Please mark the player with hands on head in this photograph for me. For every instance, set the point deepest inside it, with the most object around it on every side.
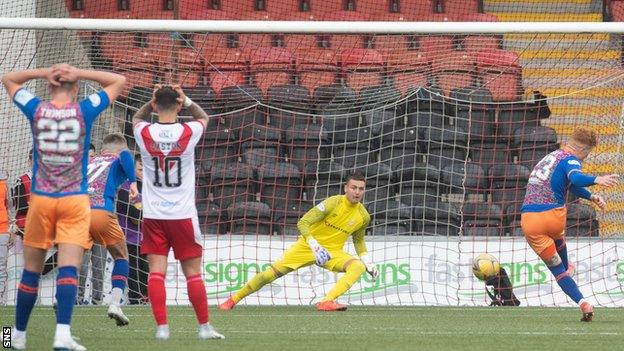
(544, 209)
(170, 218)
(324, 230)
(59, 211)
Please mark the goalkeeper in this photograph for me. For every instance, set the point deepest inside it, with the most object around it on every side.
(324, 230)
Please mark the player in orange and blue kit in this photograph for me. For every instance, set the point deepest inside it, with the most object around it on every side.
(107, 171)
(59, 210)
(543, 218)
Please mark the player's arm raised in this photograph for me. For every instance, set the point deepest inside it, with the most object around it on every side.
(14, 81)
(112, 83)
(362, 251)
(196, 111)
(146, 110)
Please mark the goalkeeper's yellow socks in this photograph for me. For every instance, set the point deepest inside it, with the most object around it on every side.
(256, 283)
(352, 274)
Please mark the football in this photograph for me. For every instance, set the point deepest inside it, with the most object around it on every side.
(485, 266)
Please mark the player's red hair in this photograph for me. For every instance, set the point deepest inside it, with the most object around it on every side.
(585, 136)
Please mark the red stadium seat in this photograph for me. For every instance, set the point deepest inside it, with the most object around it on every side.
(479, 17)
(345, 41)
(617, 11)
(140, 77)
(318, 7)
(500, 72)
(409, 70)
(435, 45)
(301, 42)
(417, 7)
(373, 7)
(149, 9)
(192, 13)
(271, 66)
(454, 70)
(234, 8)
(362, 68)
(460, 7)
(316, 68)
(438, 17)
(475, 43)
(250, 42)
(98, 9)
(225, 68)
(387, 44)
(126, 50)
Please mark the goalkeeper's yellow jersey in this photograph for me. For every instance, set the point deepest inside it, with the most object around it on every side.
(333, 221)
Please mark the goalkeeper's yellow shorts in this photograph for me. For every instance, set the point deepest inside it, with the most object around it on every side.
(300, 255)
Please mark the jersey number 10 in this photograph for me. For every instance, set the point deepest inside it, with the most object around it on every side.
(170, 162)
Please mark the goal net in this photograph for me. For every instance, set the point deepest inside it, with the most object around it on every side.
(445, 125)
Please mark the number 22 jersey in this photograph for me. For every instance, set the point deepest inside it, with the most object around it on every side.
(61, 138)
(168, 157)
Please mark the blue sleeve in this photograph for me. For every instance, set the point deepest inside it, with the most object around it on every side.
(93, 105)
(581, 192)
(573, 171)
(27, 102)
(127, 163)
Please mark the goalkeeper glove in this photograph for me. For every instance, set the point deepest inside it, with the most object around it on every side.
(321, 255)
(370, 267)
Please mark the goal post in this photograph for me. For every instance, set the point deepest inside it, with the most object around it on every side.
(445, 119)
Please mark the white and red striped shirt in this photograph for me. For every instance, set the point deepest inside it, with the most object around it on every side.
(168, 157)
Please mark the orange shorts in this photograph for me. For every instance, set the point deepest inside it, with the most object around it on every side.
(541, 229)
(53, 220)
(105, 228)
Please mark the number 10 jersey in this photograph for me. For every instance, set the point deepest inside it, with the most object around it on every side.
(168, 157)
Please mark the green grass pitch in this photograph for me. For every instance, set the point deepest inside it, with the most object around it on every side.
(359, 328)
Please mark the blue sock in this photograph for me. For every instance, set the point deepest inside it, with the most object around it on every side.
(66, 291)
(120, 274)
(26, 298)
(562, 250)
(567, 284)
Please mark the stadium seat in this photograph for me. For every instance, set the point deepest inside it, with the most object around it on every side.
(514, 116)
(333, 104)
(427, 99)
(499, 71)
(390, 217)
(362, 68)
(468, 178)
(204, 96)
(391, 46)
(354, 147)
(260, 144)
(340, 42)
(232, 182)
(193, 10)
(581, 221)
(460, 7)
(136, 78)
(438, 17)
(473, 111)
(270, 67)
(476, 43)
(316, 68)
(306, 144)
(210, 218)
(617, 11)
(417, 7)
(488, 153)
(408, 69)
(435, 46)
(234, 8)
(482, 219)
(322, 6)
(239, 105)
(127, 51)
(380, 107)
(280, 185)
(534, 143)
(399, 148)
(437, 218)
(508, 183)
(379, 181)
(285, 222)
(250, 218)
(219, 144)
(150, 9)
(444, 146)
(418, 185)
(454, 70)
(323, 180)
(511, 222)
(289, 105)
(225, 67)
(98, 9)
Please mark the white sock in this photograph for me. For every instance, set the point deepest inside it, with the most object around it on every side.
(163, 327)
(116, 296)
(62, 331)
(581, 301)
